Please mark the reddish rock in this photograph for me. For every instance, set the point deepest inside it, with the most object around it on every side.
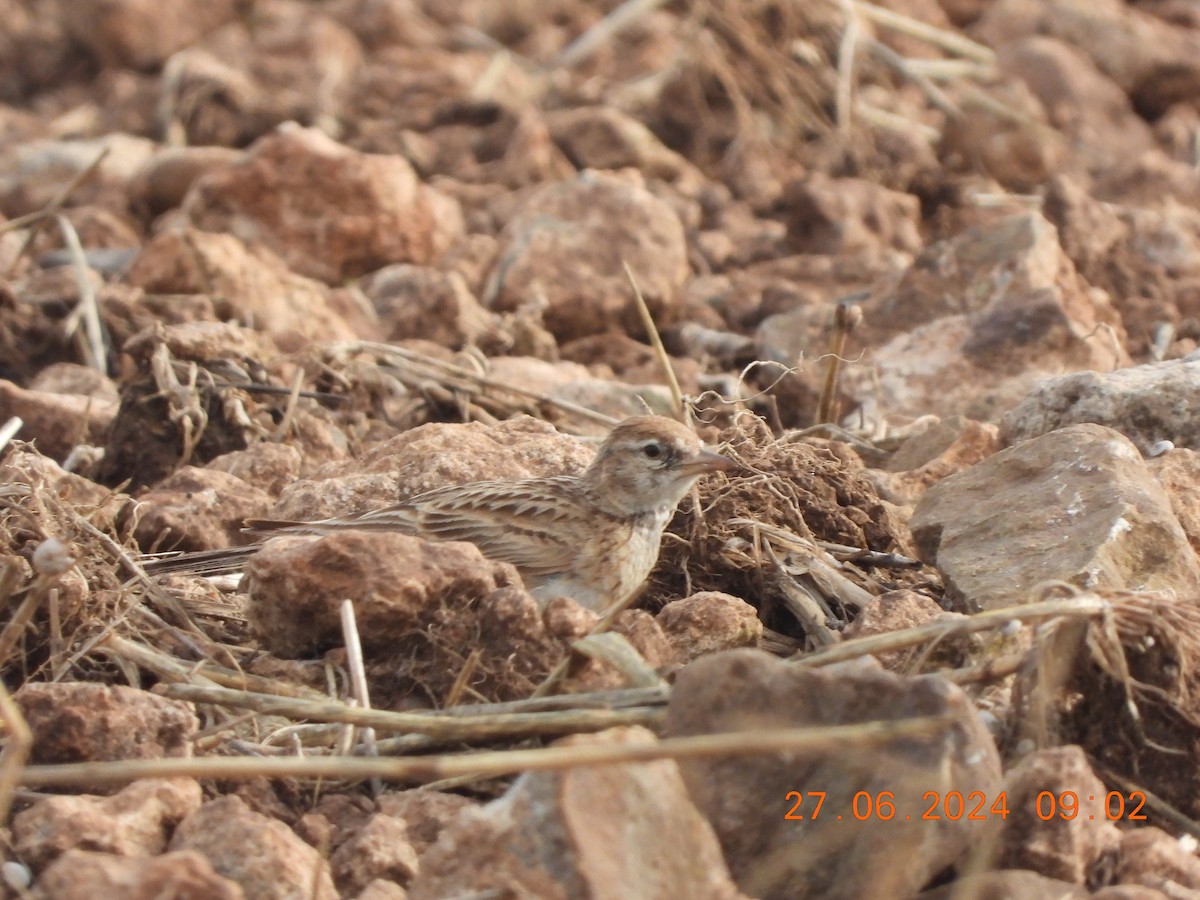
(1009, 140)
(1077, 504)
(417, 302)
(282, 192)
(136, 821)
(382, 890)
(249, 286)
(108, 239)
(593, 831)
(947, 447)
(895, 611)
(517, 151)
(1036, 836)
(707, 622)
(1004, 884)
(849, 216)
(72, 378)
(647, 641)
(601, 137)
(1178, 471)
(1153, 859)
(198, 509)
(266, 465)
(1155, 64)
(141, 34)
(429, 457)
(567, 621)
(82, 875)
(32, 173)
(82, 722)
(297, 585)
(567, 243)
(427, 813)
(746, 798)
(260, 854)
(289, 62)
(56, 423)
(165, 178)
(981, 318)
(1080, 101)
(378, 850)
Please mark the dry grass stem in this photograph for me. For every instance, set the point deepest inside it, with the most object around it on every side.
(92, 344)
(358, 683)
(838, 739)
(660, 352)
(417, 372)
(616, 650)
(882, 118)
(847, 51)
(205, 673)
(846, 317)
(38, 220)
(9, 430)
(1161, 807)
(604, 31)
(949, 41)
(437, 724)
(1086, 606)
(16, 750)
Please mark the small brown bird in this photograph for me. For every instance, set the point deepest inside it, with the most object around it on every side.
(592, 537)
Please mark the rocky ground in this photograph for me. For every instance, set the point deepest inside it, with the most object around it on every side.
(930, 269)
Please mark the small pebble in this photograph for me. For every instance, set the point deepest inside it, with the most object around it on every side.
(17, 875)
(1159, 449)
(52, 557)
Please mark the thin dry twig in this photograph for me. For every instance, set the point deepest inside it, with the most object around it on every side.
(16, 750)
(436, 723)
(660, 351)
(1086, 606)
(847, 51)
(358, 680)
(9, 430)
(604, 31)
(950, 41)
(807, 740)
(417, 371)
(206, 672)
(38, 221)
(93, 345)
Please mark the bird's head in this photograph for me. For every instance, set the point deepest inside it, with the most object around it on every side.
(649, 463)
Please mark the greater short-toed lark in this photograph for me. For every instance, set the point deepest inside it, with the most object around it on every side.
(592, 537)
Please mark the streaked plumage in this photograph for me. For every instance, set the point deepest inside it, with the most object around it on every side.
(592, 537)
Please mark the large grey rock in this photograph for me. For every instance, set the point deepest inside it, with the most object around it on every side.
(1078, 504)
(1148, 404)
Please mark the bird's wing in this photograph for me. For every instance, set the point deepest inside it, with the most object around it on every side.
(534, 525)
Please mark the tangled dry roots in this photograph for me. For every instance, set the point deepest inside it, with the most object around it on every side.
(56, 611)
(1125, 690)
(791, 486)
(752, 63)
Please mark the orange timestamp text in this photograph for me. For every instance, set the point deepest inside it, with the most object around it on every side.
(974, 806)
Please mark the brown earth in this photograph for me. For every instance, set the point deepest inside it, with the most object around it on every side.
(929, 270)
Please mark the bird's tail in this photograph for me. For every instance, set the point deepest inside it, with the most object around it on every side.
(202, 562)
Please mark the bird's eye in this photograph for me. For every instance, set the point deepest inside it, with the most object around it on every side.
(653, 451)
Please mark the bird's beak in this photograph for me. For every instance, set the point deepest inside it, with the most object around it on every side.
(706, 461)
